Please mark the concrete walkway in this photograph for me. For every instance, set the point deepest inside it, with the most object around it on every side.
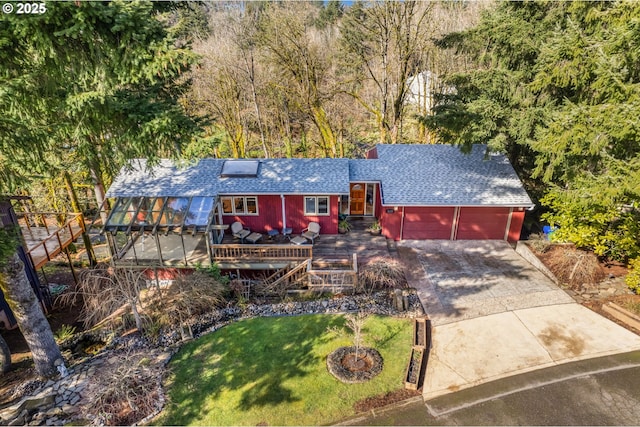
(494, 315)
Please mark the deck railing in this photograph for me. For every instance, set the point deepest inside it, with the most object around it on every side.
(58, 238)
(257, 253)
(334, 280)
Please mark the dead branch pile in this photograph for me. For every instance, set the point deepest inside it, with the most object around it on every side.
(124, 392)
(573, 266)
(381, 273)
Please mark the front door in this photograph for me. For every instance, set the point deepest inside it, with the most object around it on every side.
(357, 197)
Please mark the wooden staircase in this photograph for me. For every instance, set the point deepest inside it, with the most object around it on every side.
(334, 275)
(284, 279)
(320, 275)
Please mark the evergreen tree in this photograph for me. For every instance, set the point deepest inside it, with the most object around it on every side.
(556, 87)
(99, 82)
(95, 83)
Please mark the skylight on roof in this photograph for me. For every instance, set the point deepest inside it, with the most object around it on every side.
(240, 168)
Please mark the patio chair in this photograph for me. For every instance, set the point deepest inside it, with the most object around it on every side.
(238, 231)
(311, 232)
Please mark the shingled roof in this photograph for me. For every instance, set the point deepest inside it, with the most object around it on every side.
(441, 175)
(410, 175)
(275, 176)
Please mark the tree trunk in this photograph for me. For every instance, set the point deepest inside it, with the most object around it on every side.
(98, 188)
(327, 136)
(75, 205)
(31, 320)
(250, 65)
(136, 315)
(5, 356)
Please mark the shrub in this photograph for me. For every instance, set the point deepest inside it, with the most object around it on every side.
(539, 243)
(381, 273)
(633, 278)
(188, 296)
(64, 333)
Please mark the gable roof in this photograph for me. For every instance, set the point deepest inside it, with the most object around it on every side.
(441, 175)
(275, 176)
(410, 175)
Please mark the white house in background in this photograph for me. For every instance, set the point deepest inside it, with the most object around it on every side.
(422, 89)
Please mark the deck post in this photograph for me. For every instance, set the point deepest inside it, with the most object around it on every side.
(73, 270)
(159, 250)
(184, 251)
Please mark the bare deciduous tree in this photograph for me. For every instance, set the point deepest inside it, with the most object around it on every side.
(384, 43)
(189, 295)
(302, 65)
(105, 290)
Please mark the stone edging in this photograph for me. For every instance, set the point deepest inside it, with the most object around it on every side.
(525, 252)
(57, 402)
(335, 368)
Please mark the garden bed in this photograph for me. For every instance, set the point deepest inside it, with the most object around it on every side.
(594, 282)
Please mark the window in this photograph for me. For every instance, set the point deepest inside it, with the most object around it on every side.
(316, 205)
(174, 211)
(240, 168)
(239, 205)
(199, 211)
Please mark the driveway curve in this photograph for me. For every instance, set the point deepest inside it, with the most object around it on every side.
(495, 315)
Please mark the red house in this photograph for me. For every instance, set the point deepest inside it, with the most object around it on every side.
(415, 191)
(438, 192)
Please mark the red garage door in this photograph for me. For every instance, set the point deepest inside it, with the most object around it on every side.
(482, 223)
(427, 223)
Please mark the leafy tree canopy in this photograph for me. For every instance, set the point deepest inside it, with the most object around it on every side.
(556, 86)
(91, 82)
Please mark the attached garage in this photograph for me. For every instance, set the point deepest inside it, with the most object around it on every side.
(479, 223)
(427, 223)
(439, 192)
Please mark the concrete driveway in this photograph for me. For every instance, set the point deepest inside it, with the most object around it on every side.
(494, 315)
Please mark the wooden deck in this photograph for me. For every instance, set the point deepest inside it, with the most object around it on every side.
(44, 238)
(331, 246)
(267, 253)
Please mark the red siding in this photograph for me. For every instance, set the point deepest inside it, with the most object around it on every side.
(517, 219)
(390, 222)
(166, 273)
(427, 222)
(269, 215)
(296, 219)
(482, 223)
(372, 154)
(378, 201)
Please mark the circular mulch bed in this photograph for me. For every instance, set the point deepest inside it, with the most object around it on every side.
(345, 366)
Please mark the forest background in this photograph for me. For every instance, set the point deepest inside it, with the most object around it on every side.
(554, 85)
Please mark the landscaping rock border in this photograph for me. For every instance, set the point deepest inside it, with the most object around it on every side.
(336, 368)
(59, 401)
(377, 303)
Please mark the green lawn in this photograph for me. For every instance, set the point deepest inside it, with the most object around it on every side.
(273, 371)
